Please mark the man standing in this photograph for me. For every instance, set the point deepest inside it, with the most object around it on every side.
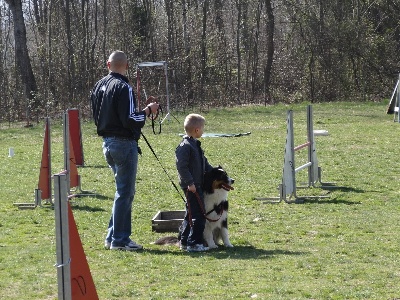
(118, 122)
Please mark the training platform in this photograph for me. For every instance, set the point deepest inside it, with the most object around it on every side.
(167, 221)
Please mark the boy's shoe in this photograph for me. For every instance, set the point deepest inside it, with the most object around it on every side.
(131, 246)
(107, 244)
(182, 246)
(197, 248)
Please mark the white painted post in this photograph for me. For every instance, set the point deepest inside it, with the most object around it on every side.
(397, 106)
(288, 176)
(312, 151)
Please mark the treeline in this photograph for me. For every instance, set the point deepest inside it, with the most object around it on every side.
(219, 52)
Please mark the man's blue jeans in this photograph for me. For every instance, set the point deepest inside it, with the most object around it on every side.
(122, 157)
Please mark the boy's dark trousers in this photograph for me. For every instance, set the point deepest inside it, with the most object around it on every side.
(191, 235)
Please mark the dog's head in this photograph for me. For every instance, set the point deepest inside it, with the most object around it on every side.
(217, 178)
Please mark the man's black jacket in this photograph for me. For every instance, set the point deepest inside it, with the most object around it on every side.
(114, 108)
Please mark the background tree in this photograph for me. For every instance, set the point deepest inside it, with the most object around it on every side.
(23, 71)
(218, 52)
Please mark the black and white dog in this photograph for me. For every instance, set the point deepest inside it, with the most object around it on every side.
(217, 184)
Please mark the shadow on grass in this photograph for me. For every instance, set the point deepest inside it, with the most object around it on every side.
(332, 188)
(237, 252)
(90, 194)
(76, 206)
(250, 252)
(96, 167)
(332, 201)
(326, 199)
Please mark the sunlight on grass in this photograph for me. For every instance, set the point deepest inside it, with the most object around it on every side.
(342, 247)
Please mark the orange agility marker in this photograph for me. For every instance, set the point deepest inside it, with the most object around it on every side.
(43, 191)
(82, 285)
(73, 170)
(44, 184)
(76, 135)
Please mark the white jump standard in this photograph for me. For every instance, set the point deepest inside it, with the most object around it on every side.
(287, 189)
(394, 104)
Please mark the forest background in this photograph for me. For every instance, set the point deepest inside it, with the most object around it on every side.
(219, 53)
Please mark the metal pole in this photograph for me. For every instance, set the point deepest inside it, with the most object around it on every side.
(67, 166)
(49, 159)
(288, 176)
(62, 237)
(398, 100)
(310, 138)
(166, 87)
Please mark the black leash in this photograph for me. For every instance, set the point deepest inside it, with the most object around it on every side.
(218, 209)
(205, 214)
(165, 171)
(153, 117)
(203, 211)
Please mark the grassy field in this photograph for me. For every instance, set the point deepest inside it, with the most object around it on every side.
(343, 247)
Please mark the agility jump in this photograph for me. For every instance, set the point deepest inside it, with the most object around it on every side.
(73, 157)
(43, 190)
(73, 152)
(394, 104)
(287, 189)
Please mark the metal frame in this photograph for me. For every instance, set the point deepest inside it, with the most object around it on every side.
(396, 94)
(162, 64)
(62, 237)
(67, 161)
(394, 103)
(287, 189)
(38, 192)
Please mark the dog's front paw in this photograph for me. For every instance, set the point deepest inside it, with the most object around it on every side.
(214, 246)
(229, 245)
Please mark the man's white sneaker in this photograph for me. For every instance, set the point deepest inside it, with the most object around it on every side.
(197, 248)
(131, 246)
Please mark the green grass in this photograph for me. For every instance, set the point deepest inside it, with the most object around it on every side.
(342, 247)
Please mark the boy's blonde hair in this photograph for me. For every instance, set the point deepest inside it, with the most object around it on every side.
(193, 121)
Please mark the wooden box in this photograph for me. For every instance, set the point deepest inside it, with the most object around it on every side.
(167, 221)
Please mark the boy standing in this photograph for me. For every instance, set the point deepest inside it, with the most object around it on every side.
(191, 165)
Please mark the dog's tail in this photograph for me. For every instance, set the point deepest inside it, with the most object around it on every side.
(167, 240)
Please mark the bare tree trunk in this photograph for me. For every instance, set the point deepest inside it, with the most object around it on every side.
(151, 46)
(238, 52)
(42, 15)
(204, 53)
(270, 49)
(186, 42)
(70, 55)
(255, 56)
(169, 7)
(105, 30)
(22, 60)
(83, 81)
(94, 43)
